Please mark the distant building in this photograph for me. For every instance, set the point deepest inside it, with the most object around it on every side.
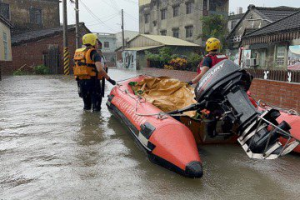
(256, 18)
(277, 45)
(5, 42)
(108, 48)
(133, 56)
(42, 47)
(233, 20)
(30, 15)
(128, 35)
(180, 19)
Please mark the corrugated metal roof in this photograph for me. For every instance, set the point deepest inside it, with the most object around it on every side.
(170, 41)
(142, 48)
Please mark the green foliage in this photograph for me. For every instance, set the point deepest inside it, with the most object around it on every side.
(19, 73)
(164, 55)
(214, 26)
(194, 58)
(41, 69)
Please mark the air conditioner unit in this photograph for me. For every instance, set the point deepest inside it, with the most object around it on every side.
(251, 62)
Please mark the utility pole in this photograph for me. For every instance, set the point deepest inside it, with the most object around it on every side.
(65, 36)
(122, 27)
(77, 23)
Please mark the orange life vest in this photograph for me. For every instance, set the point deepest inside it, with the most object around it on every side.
(85, 67)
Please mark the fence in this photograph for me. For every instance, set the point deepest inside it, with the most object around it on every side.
(276, 75)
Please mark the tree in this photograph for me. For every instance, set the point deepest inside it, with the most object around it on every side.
(214, 26)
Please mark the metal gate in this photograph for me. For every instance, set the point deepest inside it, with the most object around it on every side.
(51, 59)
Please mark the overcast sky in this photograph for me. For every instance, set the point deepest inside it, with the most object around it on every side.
(105, 15)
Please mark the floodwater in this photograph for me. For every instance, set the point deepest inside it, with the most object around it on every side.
(51, 149)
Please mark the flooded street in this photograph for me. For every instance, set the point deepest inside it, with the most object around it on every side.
(51, 149)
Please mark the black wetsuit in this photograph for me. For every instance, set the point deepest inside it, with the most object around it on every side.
(90, 89)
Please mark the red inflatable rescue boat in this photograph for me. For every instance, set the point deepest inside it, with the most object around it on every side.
(166, 141)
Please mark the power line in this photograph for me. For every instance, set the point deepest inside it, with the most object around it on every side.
(133, 2)
(96, 17)
(103, 20)
(131, 16)
(115, 4)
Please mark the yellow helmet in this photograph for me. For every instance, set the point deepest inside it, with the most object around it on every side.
(89, 38)
(213, 44)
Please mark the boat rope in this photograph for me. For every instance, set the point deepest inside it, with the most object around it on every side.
(139, 100)
(132, 77)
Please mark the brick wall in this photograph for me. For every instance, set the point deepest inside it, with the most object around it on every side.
(280, 94)
(277, 93)
(31, 53)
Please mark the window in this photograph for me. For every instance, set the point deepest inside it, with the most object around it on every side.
(176, 11)
(176, 32)
(164, 32)
(280, 55)
(189, 31)
(4, 10)
(212, 5)
(204, 4)
(163, 14)
(189, 7)
(36, 16)
(147, 18)
(106, 44)
(5, 44)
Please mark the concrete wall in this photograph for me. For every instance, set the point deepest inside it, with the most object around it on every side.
(5, 30)
(20, 14)
(180, 22)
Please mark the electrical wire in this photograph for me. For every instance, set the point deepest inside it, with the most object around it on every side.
(131, 16)
(103, 21)
(95, 16)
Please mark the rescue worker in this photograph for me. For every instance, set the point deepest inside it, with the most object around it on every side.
(213, 57)
(88, 71)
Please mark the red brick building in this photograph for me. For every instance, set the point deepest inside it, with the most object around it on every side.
(29, 15)
(43, 47)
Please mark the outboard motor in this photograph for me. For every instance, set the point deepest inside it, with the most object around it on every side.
(223, 88)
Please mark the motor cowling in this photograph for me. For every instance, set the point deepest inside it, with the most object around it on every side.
(223, 88)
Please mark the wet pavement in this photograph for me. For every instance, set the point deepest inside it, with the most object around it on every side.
(51, 149)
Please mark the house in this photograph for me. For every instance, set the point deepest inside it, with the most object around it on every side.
(255, 18)
(5, 42)
(180, 19)
(42, 47)
(128, 35)
(29, 15)
(277, 45)
(133, 56)
(233, 20)
(108, 48)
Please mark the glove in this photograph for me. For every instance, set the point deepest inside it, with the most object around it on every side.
(113, 82)
(190, 83)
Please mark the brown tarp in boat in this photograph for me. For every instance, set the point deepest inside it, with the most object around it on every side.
(166, 93)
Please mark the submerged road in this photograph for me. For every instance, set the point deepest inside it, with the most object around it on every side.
(51, 149)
